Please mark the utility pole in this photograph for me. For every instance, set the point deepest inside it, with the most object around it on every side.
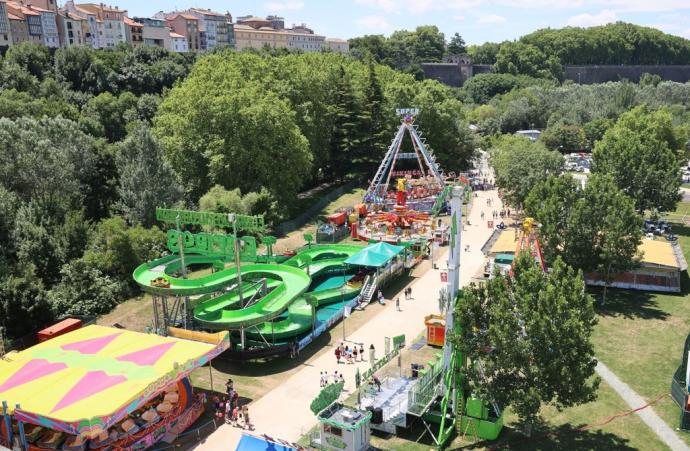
(453, 273)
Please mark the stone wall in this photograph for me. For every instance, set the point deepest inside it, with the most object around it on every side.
(587, 75)
(455, 74)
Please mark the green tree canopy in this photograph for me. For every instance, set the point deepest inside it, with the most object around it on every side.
(595, 229)
(456, 45)
(532, 335)
(520, 164)
(643, 152)
(146, 180)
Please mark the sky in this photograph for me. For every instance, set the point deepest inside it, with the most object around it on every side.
(477, 21)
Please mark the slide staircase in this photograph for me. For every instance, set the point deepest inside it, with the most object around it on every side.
(368, 290)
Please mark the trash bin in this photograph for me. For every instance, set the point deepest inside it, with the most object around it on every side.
(415, 369)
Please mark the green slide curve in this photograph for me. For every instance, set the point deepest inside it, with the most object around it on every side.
(287, 283)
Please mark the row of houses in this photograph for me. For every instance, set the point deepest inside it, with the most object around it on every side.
(193, 30)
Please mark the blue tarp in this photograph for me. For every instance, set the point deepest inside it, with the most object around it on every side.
(375, 255)
(252, 443)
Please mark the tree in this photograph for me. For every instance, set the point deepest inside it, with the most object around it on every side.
(346, 141)
(519, 58)
(73, 65)
(33, 58)
(643, 153)
(564, 138)
(520, 164)
(84, 290)
(614, 235)
(23, 304)
(595, 229)
(456, 46)
(146, 180)
(35, 244)
(532, 335)
(39, 156)
(378, 130)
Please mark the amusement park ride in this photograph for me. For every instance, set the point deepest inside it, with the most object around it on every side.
(404, 214)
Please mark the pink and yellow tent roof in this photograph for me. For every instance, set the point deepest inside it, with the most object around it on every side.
(85, 381)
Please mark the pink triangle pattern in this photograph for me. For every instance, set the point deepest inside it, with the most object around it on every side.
(92, 345)
(32, 370)
(93, 382)
(148, 356)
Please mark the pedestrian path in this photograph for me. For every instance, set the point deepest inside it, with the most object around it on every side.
(659, 426)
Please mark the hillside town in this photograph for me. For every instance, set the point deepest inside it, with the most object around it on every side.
(193, 30)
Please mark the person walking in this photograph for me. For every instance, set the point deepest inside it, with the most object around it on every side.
(409, 293)
(355, 353)
(361, 351)
(397, 304)
(377, 382)
(372, 354)
(245, 415)
(337, 354)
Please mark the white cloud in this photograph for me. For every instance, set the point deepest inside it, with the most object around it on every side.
(491, 19)
(385, 5)
(376, 23)
(459, 18)
(644, 5)
(287, 5)
(589, 20)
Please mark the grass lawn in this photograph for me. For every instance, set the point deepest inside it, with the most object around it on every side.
(640, 336)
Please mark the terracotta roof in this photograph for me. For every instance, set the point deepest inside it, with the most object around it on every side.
(95, 7)
(132, 23)
(175, 35)
(184, 16)
(13, 17)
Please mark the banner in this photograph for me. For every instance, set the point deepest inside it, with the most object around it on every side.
(348, 311)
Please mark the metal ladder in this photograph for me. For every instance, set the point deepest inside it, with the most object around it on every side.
(368, 289)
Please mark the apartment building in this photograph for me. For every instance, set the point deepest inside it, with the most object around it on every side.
(18, 28)
(51, 37)
(185, 25)
(95, 27)
(213, 28)
(336, 45)
(303, 38)
(247, 37)
(155, 32)
(72, 29)
(5, 28)
(134, 32)
(179, 43)
(34, 28)
(113, 25)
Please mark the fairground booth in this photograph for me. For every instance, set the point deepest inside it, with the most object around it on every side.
(101, 387)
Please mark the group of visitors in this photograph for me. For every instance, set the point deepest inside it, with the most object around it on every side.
(501, 214)
(326, 378)
(408, 293)
(229, 410)
(349, 355)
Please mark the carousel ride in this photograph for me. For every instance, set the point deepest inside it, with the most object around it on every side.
(405, 211)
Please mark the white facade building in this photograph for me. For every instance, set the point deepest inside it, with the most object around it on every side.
(178, 43)
(51, 37)
(337, 45)
(306, 42)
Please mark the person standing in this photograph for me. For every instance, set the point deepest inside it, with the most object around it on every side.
(361, 351)
(337, 354)
(397, 304)
(372, 354)
(409, 293)
(355, 353)
(229, 386)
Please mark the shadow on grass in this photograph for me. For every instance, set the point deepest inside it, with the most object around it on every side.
(626, 303)
(545, 437)
(556, 438)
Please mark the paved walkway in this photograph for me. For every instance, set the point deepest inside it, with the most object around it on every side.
(659, 426)
(284, 412)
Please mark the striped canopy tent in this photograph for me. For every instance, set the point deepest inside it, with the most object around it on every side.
(85, 381)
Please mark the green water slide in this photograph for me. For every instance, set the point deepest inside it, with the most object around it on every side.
(286, 283)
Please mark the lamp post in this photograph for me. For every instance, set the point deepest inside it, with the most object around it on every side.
(342, 301)
(232, 219)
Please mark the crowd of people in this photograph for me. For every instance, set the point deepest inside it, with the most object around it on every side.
(349, 354)
(228, 408)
